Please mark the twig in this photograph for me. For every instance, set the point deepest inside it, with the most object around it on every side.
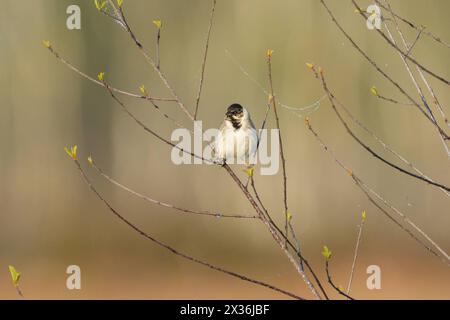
(270, 227)
(367, 191)
(384, 74)
(298, 252)
(413, 79)
(276, 236)
(158, 58)
(330, 281)
(393, 100)
(273, 232)
(309, 108)
(152, 132)
(416, 40)
(296, 241)
(414, 26)
(164, 204)
(171, 249)
(355, 256)
(152, 63)
(362, 144)
(199, 93)
(84, 75)
(407, 56)
(383, 144)
(144, 96)
(280, 140)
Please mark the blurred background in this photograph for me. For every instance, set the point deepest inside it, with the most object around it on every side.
(49, 219)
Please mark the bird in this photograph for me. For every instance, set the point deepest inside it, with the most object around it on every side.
(237, 141)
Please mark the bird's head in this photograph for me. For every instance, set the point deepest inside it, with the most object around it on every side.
(236, 113)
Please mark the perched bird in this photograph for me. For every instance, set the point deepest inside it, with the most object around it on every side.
(237, 140)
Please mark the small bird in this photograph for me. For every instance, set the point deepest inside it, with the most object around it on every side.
(237, 141)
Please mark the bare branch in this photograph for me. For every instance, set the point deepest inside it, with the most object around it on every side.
(362, 144)
(199, 93)
(171, 249)
(164, 204)
(368, 191)
(383, 144)
(84, 75)
(280, 140)
(384, 74)
(355, 256)
(330, 281)
(414, 26)
(407, 56)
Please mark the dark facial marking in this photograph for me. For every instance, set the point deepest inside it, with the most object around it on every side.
(233, 112)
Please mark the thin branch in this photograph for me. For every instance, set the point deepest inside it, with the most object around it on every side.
(152, 63)
(158, 40)
(84, 75)
(296, 241)
(413, 79)
(171, 249)
(276, 236)
(294, 109)
(152, 132)
(205, 55)
(414, 26)
(366, 147)
(270, 227)
(404, 54)
(330, 281)
(298, 252)
(164, 204)
(355, 256)
(383, 144)
(393, 100)
(368, 191)
(273, 232)
(280, 141)
(384, 74)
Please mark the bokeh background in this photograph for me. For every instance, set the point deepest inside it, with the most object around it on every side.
(49, 219)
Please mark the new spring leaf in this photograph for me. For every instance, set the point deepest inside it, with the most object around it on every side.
(326, 253)
(15, 275)
(157, 23)
(374, 91)
(100, 4)
(72, 152)
(101, 76)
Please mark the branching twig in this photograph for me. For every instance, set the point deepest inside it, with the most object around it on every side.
(84, 75)
(274, 231)
(152, 132)
(362, 144)
(383, 144)
(164, 204)
(152, 63)
(171, 249)
(330, 281)
(414, 26)
(383, 73)
(404, 54)
(413, 79)
(368, 191)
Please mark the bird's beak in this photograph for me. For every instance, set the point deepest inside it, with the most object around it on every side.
(229, 115)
